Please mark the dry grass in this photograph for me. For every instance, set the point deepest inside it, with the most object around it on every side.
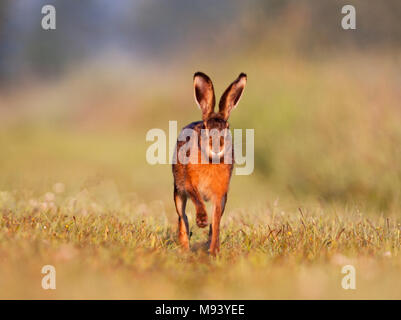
(134, 254)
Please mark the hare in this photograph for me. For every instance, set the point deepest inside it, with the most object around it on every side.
(203, 181)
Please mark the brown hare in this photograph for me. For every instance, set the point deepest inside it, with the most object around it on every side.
(199, 180)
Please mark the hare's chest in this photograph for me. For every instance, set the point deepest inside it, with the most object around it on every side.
(212, 180)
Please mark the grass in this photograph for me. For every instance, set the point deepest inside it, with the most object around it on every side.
(76, 191)
(133, 253)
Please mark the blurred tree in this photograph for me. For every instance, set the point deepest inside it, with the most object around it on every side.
(166, 29)
(4, 8)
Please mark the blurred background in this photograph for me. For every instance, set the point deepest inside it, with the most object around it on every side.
(76, 102)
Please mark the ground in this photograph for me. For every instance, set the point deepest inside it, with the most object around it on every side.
(134, 254)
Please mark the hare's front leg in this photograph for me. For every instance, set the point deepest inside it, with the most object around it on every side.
(183, 228)
(201, 214)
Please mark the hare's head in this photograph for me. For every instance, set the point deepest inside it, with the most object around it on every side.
(216, 123)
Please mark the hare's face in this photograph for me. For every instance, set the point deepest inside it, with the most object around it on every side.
(217, 133)
(215, 124)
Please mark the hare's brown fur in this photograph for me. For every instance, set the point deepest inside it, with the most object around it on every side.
(205, 181)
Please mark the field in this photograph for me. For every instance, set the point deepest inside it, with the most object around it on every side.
(78, 194)
(283, 255)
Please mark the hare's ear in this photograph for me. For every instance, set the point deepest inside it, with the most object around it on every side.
(230, 98)
(204, 94)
